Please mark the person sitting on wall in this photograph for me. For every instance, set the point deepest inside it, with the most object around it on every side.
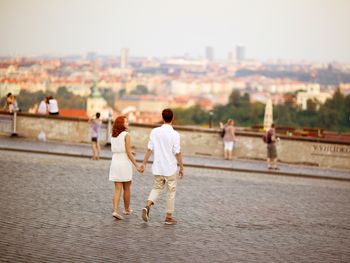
(9, 103)
(43, 107)
(52, 106)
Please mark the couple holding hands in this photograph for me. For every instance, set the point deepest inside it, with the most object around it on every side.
(164, 143)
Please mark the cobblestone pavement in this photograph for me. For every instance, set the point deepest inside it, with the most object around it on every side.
(58, 209)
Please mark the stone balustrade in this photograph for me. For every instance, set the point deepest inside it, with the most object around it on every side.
(194, 141)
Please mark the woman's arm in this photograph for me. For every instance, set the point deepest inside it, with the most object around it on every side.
(128, 150)
(233, 133)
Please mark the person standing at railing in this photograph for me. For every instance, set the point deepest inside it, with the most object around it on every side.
(229, 139)
(95, 126)
(271, 140)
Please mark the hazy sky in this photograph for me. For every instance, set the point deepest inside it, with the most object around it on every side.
(317, 30)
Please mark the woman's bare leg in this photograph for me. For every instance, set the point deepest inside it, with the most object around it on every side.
(98, 149)
(94, 150)
(230, 155)
(127, 195)
(117, 191)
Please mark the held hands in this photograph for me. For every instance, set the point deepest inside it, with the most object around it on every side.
(141, 168)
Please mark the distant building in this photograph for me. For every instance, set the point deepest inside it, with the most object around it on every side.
(312, 93)
(124, 58)
(143, 117)
(92, 56)
(240, 53)
(142, 108)
(143, 103)
(209, 53)
(95, 103)
(231, 57)
(345, 88)
(80, 90)
(8, 86)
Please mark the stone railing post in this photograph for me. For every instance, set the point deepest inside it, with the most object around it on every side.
(14, 124)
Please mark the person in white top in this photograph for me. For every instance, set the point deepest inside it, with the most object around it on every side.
(52, 106)
(42, 109)
(121, 166)
(164, 143)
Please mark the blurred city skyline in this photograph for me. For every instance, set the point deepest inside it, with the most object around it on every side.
(291, 30)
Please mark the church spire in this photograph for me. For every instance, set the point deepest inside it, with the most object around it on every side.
(95, 93)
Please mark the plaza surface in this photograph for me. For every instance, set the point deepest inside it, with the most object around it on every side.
(56, 208)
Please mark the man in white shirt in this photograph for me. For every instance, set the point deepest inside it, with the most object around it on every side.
(164, 142)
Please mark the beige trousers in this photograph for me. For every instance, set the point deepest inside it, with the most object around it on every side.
(159, 183)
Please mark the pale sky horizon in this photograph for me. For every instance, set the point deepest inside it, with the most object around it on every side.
(312, 30)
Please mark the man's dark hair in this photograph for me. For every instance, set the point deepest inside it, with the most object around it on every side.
(98, 115)
(9, 94)
(273, 125)
(167, 115)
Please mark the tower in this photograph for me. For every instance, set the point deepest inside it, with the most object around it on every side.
(231, 57)
(268, 118)
(209, 53)
(240, 53)
(124, 58)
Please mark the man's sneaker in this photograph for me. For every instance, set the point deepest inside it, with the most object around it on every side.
(170, 221)
(145, 214)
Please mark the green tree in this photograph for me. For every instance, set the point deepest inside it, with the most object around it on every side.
(68, 100)
(237, 101)
(27, 100)
(63, 93)
(109, 96)
(121, 93)
(140, 90)
(333, 114)
(194, 115)
(311, 105)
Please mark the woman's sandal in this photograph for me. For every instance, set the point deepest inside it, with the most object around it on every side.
(128, 212)
(117, 216)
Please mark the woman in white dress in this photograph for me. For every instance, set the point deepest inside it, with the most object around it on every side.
(121, 166)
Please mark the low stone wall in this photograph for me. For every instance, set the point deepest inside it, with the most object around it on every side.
(194, 141)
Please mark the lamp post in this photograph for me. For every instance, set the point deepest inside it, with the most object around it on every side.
(109, 127)
(211, 119)
(14, 124)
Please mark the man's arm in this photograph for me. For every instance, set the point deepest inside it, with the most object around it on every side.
(181, 165)
(145, 159)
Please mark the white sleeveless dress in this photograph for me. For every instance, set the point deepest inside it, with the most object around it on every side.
(121, 166)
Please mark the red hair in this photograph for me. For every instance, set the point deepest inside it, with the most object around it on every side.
(118, 126)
